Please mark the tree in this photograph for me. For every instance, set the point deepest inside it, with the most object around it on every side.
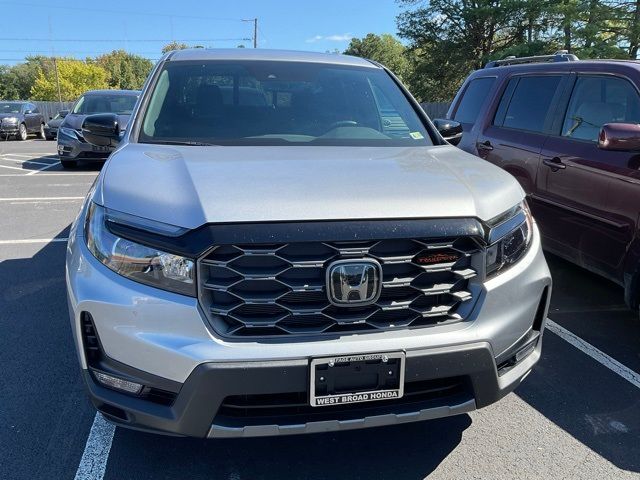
(385, 49)
(450, 38)
(125, 70)
(16, 81)
(76, 77)
(174, 46)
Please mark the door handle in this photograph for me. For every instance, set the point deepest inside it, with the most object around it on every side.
(554, 163)
(484, 146)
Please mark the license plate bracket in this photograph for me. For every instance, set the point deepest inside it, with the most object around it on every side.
(100, 148)
(356, 378)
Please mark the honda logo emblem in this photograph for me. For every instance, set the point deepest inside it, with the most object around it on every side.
(354, 282)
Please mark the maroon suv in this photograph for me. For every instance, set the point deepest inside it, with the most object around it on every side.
(568, 131)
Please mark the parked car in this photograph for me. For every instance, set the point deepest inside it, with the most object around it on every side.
(568, 131)
(71, 144)
(298, 265)
(19, 119)
(51, 128)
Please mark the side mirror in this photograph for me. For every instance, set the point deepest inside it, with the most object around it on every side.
(619, 136)
(28, 112)
(450, 130)
(102, 129)
(63, 113)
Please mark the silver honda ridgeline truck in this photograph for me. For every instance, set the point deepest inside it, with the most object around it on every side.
(284, 243)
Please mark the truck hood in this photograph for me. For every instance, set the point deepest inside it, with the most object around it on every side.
(191, 185)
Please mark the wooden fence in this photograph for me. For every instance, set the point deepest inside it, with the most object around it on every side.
(49, 109)
(436, 109)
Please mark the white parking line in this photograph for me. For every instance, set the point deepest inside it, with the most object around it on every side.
(43, 174)
(598, 355)
(96, 451)
(29, 155)
(33, 172)
(13, 168)
(39, 199)
(33, 240)
(27, 160)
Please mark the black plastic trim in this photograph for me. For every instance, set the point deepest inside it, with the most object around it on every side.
(194, 410)
(195, 243)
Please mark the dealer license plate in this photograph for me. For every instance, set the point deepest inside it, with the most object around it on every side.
(356, 378)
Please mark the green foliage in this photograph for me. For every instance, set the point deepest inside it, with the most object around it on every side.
(16, 81)
(126, 71)
(75, 78)
(447, 39)
(174, 46)
(384, 49)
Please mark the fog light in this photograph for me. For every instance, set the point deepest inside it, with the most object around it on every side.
(118, 383)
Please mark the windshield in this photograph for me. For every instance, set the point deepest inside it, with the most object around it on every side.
(279, 103)
(10, 107)
(120, 104)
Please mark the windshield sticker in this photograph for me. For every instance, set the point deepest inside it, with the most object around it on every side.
(416, 135)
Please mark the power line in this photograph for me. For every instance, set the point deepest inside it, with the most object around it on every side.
(58, 6)
(111, 40)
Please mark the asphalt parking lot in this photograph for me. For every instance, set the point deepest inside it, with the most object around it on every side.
(576, 416)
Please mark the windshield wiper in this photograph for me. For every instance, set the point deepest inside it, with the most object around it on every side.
(186, 142)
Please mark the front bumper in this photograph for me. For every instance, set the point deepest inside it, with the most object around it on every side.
(166, 336)
(9, 129)
(70, 148)
(466, 376)
(50, 132)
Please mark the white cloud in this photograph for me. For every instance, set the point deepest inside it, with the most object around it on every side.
(345, 37)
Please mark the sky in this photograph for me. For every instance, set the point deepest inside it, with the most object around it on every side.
(80, 28)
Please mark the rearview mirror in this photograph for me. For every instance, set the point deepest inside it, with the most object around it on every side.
(619, 136)
(450, 130)
(102, 129)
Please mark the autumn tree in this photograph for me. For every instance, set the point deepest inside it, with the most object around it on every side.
(174, 46)
(75, 77)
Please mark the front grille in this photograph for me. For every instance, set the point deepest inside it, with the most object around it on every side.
(279, 289)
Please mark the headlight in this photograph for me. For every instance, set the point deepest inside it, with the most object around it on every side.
(10, 120)
(69, 132)
(513, 231)
(135, 261)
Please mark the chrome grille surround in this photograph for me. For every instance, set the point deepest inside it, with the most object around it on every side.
(267, 290)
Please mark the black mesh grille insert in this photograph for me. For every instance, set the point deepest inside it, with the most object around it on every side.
(280, 289)
(292, 406)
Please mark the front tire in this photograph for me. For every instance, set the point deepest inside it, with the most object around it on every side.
(69, 164)
(22, 132)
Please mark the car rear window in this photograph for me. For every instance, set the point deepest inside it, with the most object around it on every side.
(105, 103)
(472, 100)
(526, 101)
(279, 103)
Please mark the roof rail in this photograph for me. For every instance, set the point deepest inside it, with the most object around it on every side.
(559, 56)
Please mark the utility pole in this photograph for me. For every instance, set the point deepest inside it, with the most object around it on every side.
(255, 33)
(255, 30)
(55, 66)
(55, 62)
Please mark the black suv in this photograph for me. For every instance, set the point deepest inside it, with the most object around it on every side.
(19, 119)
